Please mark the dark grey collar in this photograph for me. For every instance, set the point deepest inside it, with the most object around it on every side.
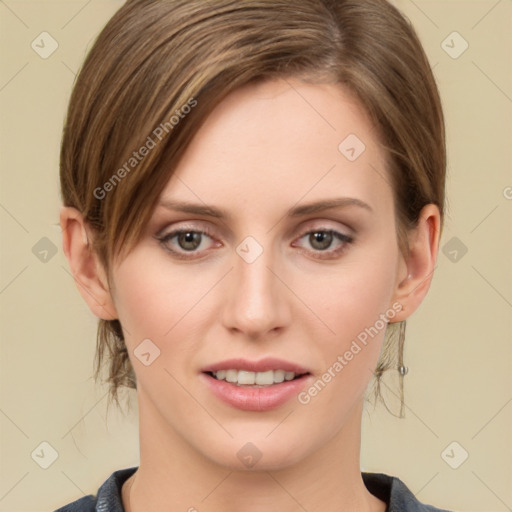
(387, 488)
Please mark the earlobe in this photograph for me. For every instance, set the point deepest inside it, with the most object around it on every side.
(84, 264)
(420, 263)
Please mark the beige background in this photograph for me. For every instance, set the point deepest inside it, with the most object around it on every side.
(458, 349)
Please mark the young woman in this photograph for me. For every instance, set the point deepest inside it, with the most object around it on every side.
(253, 199)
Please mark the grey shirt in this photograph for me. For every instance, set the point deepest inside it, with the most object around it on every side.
(389, 489)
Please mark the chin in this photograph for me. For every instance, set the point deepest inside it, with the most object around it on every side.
(259, 454)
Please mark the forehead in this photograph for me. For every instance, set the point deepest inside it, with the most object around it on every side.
(280, 143)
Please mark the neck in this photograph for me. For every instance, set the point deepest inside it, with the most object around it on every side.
(171, 471)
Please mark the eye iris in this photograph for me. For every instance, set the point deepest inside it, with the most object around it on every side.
(189, 240)
(323, 238)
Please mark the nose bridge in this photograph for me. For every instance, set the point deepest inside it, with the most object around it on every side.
(257, 302)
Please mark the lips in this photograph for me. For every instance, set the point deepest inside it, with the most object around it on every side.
(255, 397)
(263, 365)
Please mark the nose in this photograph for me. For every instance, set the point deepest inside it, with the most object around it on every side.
(257, 301)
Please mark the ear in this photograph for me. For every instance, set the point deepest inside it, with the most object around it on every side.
(86, 268)
(415, 270)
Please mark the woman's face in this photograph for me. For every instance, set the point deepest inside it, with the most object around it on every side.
(260, 272)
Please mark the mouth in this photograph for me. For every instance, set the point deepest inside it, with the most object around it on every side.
(249, 379)
(266, 372)
(255, 391)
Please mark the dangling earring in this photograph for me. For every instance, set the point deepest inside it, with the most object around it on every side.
(402, 369)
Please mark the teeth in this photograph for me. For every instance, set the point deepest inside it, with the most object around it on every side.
(248, 378)
(279, 375)
(231, 375)
(245, 378)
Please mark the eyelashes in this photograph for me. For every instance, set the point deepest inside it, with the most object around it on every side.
(191, 238)
(325, 241)
(188, 244)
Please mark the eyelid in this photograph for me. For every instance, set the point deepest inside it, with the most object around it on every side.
(335, 232)
(326, 225)
(179, 226)
(165, 235)
(343, 240)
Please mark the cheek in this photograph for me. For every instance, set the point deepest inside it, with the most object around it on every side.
(353, 303)
(150, 300)
(169, 308)
(354, 296)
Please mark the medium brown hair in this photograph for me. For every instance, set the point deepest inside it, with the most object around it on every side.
(155, 57)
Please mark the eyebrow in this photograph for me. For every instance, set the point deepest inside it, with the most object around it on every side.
(297, 211)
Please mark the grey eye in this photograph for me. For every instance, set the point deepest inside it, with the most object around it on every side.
(189, 240)
(321, 240)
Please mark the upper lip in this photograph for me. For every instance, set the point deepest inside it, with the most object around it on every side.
(263, 365)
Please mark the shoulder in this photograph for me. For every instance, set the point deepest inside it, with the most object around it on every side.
(108, 497)
(395, 494)
(85, 504)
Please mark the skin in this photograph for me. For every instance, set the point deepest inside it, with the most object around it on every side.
(299, 300)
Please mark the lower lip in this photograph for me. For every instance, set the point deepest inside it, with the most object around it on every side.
(255, 399)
